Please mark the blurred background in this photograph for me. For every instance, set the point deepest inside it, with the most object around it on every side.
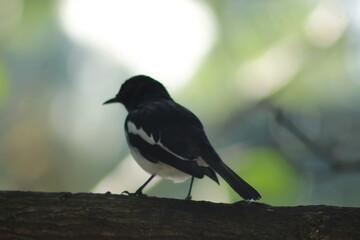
(275, 84)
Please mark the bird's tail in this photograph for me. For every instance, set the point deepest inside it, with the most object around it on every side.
(237, 183)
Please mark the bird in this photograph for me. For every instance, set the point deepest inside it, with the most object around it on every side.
(168, 140)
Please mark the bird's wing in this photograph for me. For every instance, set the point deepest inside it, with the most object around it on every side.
(167, 132)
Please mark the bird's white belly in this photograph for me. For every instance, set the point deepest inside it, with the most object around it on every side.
(160, 169)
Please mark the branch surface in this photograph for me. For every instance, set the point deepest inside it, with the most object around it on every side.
(35, 215)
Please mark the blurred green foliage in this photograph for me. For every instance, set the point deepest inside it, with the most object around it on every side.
(3, 84)
(271, 175)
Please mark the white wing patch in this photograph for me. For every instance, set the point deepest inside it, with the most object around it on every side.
(200, 161)
(149, 139)
(139, 131)
(168, 150)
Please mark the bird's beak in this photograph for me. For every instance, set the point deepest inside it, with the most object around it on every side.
(111, 101)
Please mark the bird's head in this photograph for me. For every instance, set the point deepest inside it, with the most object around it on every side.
(138, 90)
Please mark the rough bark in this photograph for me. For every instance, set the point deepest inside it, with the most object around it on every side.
(34, 215)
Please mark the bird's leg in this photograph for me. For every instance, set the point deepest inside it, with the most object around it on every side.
(139, 191)
(188, 197)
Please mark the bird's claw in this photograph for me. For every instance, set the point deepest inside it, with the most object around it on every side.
(127, 193)
(137, 194)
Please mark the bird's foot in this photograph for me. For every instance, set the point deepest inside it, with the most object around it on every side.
(188, 197)
(137, 194)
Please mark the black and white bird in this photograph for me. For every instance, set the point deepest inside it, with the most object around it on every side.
(168, 140)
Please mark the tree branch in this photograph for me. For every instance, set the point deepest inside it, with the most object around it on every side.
(34, 215)
(323, 154)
